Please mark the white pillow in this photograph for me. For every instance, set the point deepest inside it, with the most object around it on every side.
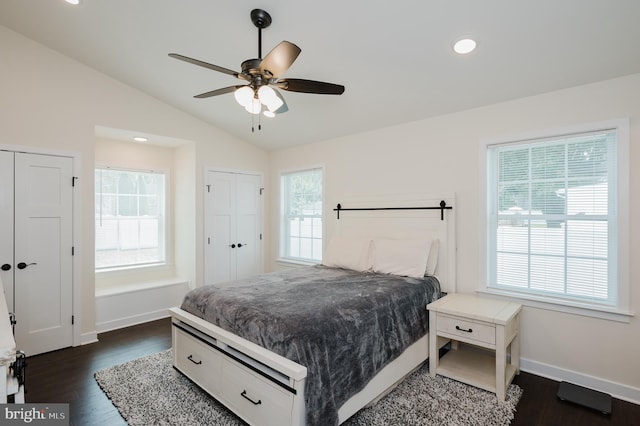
(348, 253)
(401, 257)
(432, 259)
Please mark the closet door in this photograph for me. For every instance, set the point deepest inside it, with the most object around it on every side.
(40, 250)
(220, 226)
(248, 209)
(6, 226)
(43, 244)
(233, 215)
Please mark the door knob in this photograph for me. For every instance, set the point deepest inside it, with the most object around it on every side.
(23, 265)
(232, 246)
(5, 267)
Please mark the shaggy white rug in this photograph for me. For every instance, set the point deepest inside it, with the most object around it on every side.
(149, 391)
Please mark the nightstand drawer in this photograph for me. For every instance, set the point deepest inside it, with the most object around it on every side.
(466, 329)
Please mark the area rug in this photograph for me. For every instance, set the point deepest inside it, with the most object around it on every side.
(149, 391)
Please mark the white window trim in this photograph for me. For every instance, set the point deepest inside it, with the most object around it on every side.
(291, 261)
(168, 244)
(620, 312)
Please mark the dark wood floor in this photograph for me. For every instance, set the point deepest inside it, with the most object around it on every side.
(67, 376)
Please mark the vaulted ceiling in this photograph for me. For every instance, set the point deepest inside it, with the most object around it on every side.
(395, 58)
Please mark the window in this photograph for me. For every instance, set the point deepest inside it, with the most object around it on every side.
(302, 216)
(130, 218)
(553, 229)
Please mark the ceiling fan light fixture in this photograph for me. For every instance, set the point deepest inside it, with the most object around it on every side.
(269, 114)
(275, 104)
(254, 106)
(266, 94)
(244, 96)
(270, 98)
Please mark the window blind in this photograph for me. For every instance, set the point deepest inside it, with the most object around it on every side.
(552, 217)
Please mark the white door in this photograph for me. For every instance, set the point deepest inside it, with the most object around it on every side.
(42, 260)
(6, 225)
(248, 208)
(233, 246)
(220, 256)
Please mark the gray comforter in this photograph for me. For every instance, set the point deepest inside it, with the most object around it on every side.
(344, 326)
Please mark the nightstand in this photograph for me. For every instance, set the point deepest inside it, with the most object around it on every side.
(483, 323)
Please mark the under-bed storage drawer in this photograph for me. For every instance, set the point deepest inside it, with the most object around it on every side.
(240, 385)
(197, 360)
(261, 401)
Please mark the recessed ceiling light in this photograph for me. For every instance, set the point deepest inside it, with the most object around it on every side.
(74, 2)
(140, 139)
(464, 46)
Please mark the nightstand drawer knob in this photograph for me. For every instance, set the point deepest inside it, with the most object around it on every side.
(466, 330)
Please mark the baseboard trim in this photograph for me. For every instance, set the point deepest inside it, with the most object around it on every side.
(616, 390)
(88, 338)
(132, 320)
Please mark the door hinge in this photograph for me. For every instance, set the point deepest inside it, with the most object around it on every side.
(73, 319)
(73, 180)
(73, 251)
(208, 188)
(260, 237)
(208, 240)
(261, 191)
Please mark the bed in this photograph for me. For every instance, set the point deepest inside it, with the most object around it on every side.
(313, 345)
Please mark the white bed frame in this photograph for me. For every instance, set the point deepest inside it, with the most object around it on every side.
(264, 388)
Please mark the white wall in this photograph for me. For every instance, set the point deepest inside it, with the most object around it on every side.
(51, 102)
(440, 155)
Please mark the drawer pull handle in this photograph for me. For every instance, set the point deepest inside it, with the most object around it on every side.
(244, 395)
(466, 330)
(190, 358)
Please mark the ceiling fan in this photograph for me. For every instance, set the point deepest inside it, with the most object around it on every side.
(263, 75)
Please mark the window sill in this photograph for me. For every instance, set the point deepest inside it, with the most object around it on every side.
(575, 308)
(126, 270)
(140, 286)
(293, 262)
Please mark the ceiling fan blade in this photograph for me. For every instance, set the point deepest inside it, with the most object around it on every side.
(205, 65)
(279, 59)
(218, 92)
(310, 86)
(284, 108)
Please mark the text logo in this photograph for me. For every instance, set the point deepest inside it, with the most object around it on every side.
(34, 414)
